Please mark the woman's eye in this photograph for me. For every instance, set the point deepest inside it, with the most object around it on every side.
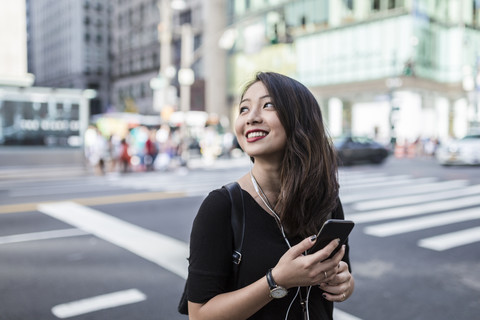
(243, 109)
(269, 105)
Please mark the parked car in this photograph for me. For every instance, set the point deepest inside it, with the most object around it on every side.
(351, 149)
(464, 151)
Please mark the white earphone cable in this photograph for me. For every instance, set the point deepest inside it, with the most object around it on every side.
(265, 201)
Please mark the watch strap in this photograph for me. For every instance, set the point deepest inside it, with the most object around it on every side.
(271, 283)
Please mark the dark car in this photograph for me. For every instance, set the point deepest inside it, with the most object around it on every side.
(351, 149)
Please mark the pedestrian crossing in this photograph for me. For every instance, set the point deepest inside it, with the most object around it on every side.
(395, 205)
(381, 204)
(191, 183)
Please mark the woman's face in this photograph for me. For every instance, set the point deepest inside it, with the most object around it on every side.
(258, 128)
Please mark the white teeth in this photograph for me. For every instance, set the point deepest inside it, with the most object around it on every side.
(256, 134)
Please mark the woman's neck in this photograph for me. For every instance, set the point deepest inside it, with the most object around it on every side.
(268, 179)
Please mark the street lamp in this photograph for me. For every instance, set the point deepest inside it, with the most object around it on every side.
(186, 76)
(161, 85)
(471, 85)
(392, 84)
(163, 91)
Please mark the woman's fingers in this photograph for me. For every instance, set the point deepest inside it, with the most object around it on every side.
(300, 248)
(324, 253)
(295, 269)
(335, 297)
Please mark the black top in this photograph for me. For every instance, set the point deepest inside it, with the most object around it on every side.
(211, 247)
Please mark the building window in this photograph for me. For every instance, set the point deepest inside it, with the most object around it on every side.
(348, 4)
(186, 17)
(476, 13)
(142, 12)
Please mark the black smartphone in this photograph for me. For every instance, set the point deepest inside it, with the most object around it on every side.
(332, 229)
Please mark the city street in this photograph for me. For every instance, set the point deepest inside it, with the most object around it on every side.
(79, 246)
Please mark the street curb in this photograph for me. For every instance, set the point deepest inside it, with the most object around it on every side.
(16, 173)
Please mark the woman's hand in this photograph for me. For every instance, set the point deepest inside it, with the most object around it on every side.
(295, 269)
(341, 286)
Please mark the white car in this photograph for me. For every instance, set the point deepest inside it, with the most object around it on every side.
(464, 151)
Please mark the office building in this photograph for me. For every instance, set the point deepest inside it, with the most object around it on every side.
(13, 40)
(391, 69)
(31, 114)
(69, 42)
(145, 67)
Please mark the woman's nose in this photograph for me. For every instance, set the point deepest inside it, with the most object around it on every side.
(254, 116)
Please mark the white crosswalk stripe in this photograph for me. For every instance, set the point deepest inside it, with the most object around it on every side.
(415, 210)
(412, 205)
(451, 240)
(449, 194)
(381, 182)
(419, 186)
(370, 179)
(192, 183)
(392, 228)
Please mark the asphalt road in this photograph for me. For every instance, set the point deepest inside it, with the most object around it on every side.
(74, 237)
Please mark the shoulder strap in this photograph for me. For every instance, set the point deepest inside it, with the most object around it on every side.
(238, 219)
(238, 227)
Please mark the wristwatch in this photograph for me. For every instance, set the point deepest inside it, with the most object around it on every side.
(276, 291)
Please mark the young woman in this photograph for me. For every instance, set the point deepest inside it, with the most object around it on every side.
(291, 190)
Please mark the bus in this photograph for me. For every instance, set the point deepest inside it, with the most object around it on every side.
(44, 116)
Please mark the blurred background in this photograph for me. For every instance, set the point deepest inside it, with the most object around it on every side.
(125, 107)
(398, 71)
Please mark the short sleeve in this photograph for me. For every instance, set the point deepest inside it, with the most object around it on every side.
(210, 262)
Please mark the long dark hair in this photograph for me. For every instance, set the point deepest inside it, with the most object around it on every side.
(309, 184)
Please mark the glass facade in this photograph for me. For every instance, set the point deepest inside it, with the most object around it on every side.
(403, 58)
(44, 116)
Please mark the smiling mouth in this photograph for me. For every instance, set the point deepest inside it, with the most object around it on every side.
(256, 134)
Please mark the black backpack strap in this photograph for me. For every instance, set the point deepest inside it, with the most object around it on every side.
(238, 227)
(238, 219)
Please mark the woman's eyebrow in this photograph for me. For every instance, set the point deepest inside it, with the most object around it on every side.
(261, 98)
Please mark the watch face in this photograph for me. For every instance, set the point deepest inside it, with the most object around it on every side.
(278, 292)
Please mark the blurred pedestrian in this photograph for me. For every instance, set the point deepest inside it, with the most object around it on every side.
(431, 146)
(124, 156)
(151, 151)
(290, 191)
(96, 150)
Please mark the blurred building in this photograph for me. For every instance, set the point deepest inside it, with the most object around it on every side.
(69, 46)
(13, 41)
(392, 69)
(34, 115)
(146, 55)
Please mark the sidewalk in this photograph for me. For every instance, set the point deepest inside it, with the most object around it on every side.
(20, 162)
(53, 163)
